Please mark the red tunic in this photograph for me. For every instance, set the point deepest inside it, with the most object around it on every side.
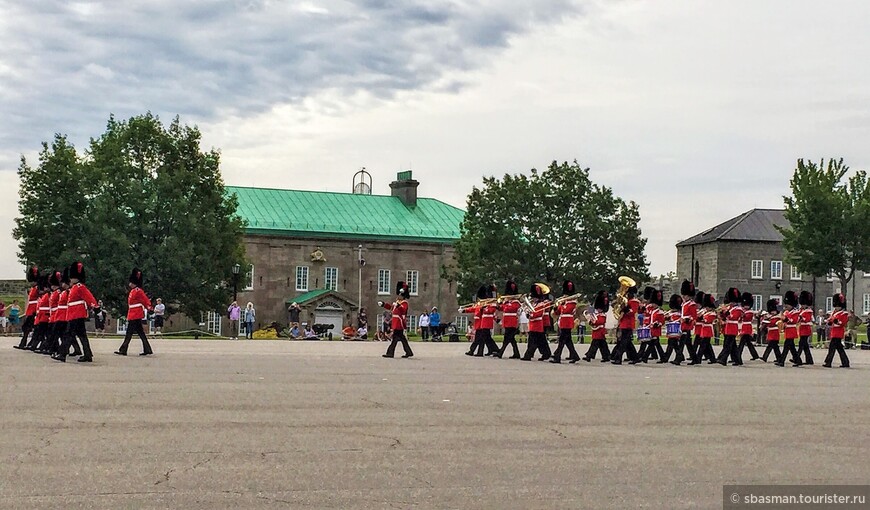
(32, 301)
(709, 318)
(746, 322)
(647, 312)
(732, 321)
(536, 318)
(598, 322)
(510, 314)
(80, 298)
(838, 321)
(807, 319)
(772, 323)
(53, 299)
(628, 318)
(547, 321)
(656, 321)
(487, 316)
(137, 303)
(43, 310)
(62, 305)
(791, 318)
(689, 315)
(400, 311)
(566, 315)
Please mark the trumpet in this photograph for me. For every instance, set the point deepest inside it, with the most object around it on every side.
(509, 297)
(479, 302)
(573, 297)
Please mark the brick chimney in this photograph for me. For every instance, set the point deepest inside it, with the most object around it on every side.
(405, 188)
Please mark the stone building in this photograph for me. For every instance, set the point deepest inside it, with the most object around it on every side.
(747, 252)
(306, 247)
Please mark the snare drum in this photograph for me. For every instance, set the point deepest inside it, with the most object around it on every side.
(643, 334)
(673, 329)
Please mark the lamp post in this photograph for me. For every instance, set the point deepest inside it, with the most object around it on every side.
(362, 262)
(236, 268)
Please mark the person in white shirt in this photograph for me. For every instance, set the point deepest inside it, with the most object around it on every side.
(159, 312)
(524, 324)
(424, 326)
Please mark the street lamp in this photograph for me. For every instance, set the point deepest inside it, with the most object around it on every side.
(236, 268)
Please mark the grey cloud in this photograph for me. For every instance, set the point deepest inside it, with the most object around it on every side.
(66, 65)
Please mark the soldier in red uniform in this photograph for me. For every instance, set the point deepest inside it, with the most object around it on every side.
(565, 312)
(537, 338)
(746, 320)
(673, 320)
(398, 320)
(137, 305)
(689, 312)
(597, 320)
(30, 309)
(510, 316)
(62, 307)
(805, 327)
(646, 311)
(625, 345)
(838, 321)
(475, 311)
(40, 321)
(80, 299)
(791, 318)
(731, 319)
(771, 320)
(656, 321)
(483, 334)
(54, 334)
(707, 321)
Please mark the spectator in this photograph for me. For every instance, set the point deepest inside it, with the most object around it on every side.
(524, 324)
(435, 324)
(386, 321)
(469, 332)
(100, 319)
(348, 332)
(293, 315)
(14, 313)
(362, 319)
(309, 333)
(250, 315)
(424, 326)
(234, 313)
(363, 332)
(159, 316)
(852, 331)
(821, 328)
(4, 321)
(294, 331)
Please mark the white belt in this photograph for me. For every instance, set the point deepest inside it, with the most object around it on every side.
(32, 302)
(397, 316)
(61, 308)
(732, 322)
(74, 303)
(596, 328)
(54, 309)
(136, 305)
(509, 314)
(44, 308)
(487, 316)
(563, 316)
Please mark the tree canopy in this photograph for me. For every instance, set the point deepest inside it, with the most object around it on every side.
(142, 195)
(828, 219)
(546, 227)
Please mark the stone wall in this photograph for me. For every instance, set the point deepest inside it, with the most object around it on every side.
(14, 287)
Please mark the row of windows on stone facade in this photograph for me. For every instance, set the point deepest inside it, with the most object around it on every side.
(330, 280)
(756, 271)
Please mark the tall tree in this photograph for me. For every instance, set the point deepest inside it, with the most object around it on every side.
(146, 196)
(548, 226)
(828, 215)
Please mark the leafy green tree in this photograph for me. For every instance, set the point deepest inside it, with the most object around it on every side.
(545, 227)
(148, 197)
(828, 219)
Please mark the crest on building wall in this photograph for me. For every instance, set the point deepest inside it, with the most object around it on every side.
(317, 255)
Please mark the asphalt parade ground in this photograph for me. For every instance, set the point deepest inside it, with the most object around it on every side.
(275, 424)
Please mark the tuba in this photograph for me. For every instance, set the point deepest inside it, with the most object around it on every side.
(621, 300)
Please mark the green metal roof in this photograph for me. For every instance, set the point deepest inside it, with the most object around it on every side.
(301, 299)
(327, 214)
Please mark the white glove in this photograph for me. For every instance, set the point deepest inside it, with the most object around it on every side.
(380, 303)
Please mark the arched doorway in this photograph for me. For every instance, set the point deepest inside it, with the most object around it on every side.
(330, 312)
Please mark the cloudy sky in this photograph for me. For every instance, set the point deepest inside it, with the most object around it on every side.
(696, 109)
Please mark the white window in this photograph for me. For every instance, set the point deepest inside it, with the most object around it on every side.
(211, 322)
(829, 304)
(413, 282)
(413, 322)
(330, 277)
(866, 274)
(778, 299)
(866, 304)
(461, 323)
(383, 281)
(795, 274)
(302, 278)
(249, 278)
(757, 269)
(756, 302)
(776, 270)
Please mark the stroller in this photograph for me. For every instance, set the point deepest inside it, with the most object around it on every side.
(451, 332)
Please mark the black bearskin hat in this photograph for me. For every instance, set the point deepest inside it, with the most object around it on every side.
(656, 297)
(493, 290)
(536, 292)
(839, 301)
(747, 299)
(687, 288)
(33, 275)
(709, 301)
(77, 271)
(806, 298)
(631, 292)
(699, 298)
(732, 296)
(675, 302)
(648, 292)
(772, 305)
(482, 292)
(790, 299)
(402, 290)
(568, 288)
(43, 283)
(510, 288)
(602, 301)
(136, 277)
(54, 278)
(65, 277)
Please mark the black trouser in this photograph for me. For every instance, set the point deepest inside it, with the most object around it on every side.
(804, 348)
(772, 345)
(624, 346)
(789, 347)
(704, 350)
(26, 328)
(77, 329)
(424, 332)
(484, 339)
(399, 336)
(73, 342)
(747, 341)
(38, 335)
(58, 336)
(510, 338)
(685, 342)
(729, 348)
(673, 348)
(565, 340)
(135, 326)
(475, 342)
(537, 341)
(651, 349)
(836, 345)
(598, 345)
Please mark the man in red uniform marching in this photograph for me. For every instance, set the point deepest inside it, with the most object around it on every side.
(53, 335)
(40, 321)
(805, 327)
(484, 321)
(63, 320)
(746, 319)
(537, 337)
(672, 321)
(706, 319)
(791, 317)
(510, 312)
(689, 313)
(838, 321)
(597, 320)
(653, 347)
(733, 314)
(30, 309)
(80, 299)
(626, 329)
(398, 320)
(771, 321)
(137, 305)
(565, 311)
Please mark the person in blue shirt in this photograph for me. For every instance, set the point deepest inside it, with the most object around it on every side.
(435, 323)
